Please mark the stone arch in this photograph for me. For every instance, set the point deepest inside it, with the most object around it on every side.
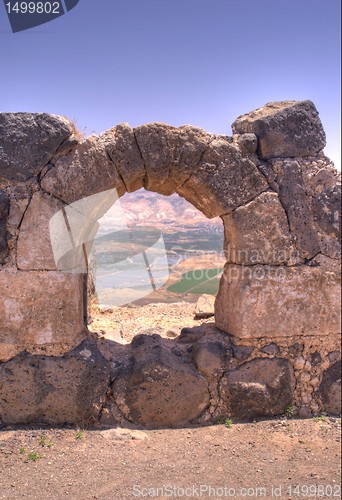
(276, 192)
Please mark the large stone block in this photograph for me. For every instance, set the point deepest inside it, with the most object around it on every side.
(297, 204)
(327, 216)
(70, 389)
(258, 233)
(123, 150)
(192, 143)
(4, 211)
(41, 308)
(322, 184)
(159, 389)
(86, 171)
(284, 129)
(171, 155)
(28, 141)
(34, 250)
(276, 301)
(258, 388)
(158, 145)
(224, 180)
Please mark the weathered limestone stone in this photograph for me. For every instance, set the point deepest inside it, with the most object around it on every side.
(4, 211)
(155, 390)
(259, 387)
(292, 194)
(248, 143)
(170, 154)
(284, 129)
(327, 208)
(323, 187)
(224, 180)
(192, 143)
(41, 308)
(327, 215)
(258, 233)
(28, 141)
(265, 301)
(34, 250)
(70, 389)
(88, 170)
(123, 150)
(18, 205)
(330, 389)
(205, 306)
(158, 145)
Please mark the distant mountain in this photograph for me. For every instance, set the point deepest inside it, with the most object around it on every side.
(167, 213)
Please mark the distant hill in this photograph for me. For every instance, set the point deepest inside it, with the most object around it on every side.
(167, 213)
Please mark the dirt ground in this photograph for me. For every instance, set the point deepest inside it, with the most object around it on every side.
(281, 458)
(122, 324)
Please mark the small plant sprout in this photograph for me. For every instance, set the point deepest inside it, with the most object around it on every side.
(320, 418)
(33, 456)
(79, 435)
(228, 423)
(289, 411)
(22, 450)
(44, 442)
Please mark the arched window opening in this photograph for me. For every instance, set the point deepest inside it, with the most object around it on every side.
(155, 266)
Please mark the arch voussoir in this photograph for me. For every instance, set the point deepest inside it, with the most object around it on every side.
(85, 171)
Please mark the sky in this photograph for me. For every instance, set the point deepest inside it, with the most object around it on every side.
(199, 62)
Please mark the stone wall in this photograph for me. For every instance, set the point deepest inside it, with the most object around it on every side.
(276, 339)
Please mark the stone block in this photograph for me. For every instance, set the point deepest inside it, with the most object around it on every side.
(258, 233)
(67, 389)
(87, 171)
(205, 306)
(34, 250)
(170, 154)
(122, 148)
(41, 308)
(330, 389)
(224, 180)
(258, 388)
(159, 389)
(28, 141)
(278, 301)
(210, 357)
(284, 129)
(297, 205)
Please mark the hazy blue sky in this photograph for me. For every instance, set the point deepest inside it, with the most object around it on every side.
(202, 62)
